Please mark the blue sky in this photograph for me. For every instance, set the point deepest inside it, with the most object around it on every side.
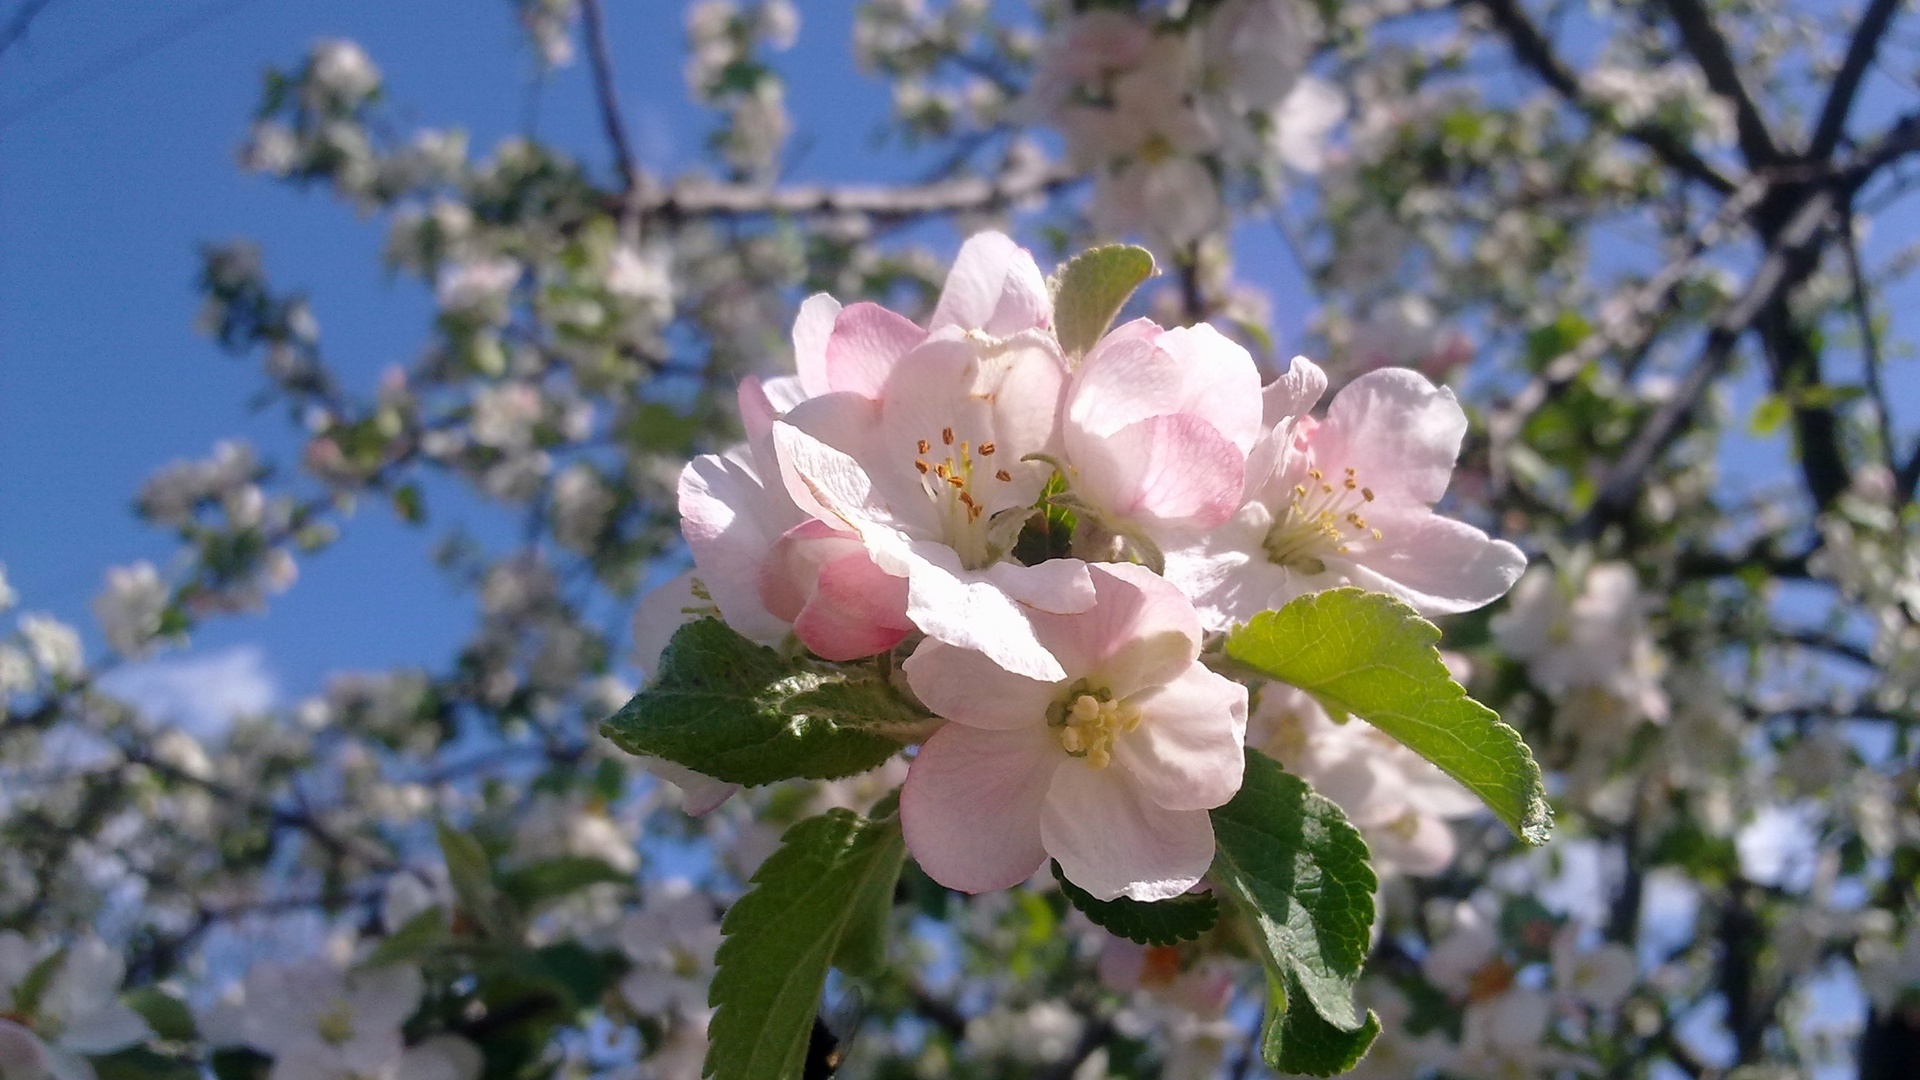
(107, 189)
(106, 192)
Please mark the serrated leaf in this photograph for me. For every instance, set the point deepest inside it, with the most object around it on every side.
(1163, 922)
(1371, 655)
(739, 712)
(1298, 1042)
(1299, 871)
(1092, 288)
(780, 938)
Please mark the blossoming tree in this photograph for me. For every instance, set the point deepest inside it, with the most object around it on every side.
(1023, 667)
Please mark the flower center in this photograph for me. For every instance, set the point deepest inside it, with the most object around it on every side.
(951, 481)
(335, 1026)
(1087, 721)
(1320, 519)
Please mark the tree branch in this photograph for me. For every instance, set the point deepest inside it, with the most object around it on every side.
(712, 199)
(1846, 82)
(1532, 47)
(1711, 51)
(600, 60)
(1869, 345)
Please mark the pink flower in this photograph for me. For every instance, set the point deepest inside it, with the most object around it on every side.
(1347, 500)
(1109, 769)
(768, 567)
(1159, 423)
(917, 448)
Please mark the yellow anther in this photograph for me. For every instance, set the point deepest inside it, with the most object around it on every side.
(1089, 726)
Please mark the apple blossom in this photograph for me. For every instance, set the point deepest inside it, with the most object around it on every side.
(1158, 424)
(1109, 768)
(1587, 642)
(319, 1022)
(1399, 801)
(1347, 500)
(77, 1013)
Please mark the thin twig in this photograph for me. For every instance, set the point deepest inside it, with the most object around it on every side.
(1532, 47)
(1846, 82)
(1869, 343)
(1709, 47)
(600, 60)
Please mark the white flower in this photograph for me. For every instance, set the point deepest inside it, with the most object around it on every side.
(319, 1022)
(554, 826)
(581, 504)
(131, 607)
(78, 1012)
(505, 415)
(342, 70)
(8, 597)
(54, 645)
(1601, 978)
(16, 671)
(479, 287)
(641, 274)
(1589, 636)
(671, 942)
(1397, 799)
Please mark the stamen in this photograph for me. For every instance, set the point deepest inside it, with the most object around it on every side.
(925, 446)
(986, 449)
(946, 436)
(1003, 475)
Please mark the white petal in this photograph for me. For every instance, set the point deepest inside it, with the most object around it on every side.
(1111, 840)
(1187, 752)
(967, 687)
(972, 802)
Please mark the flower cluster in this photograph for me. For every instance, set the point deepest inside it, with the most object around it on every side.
(1164, 114)
(1054, 537)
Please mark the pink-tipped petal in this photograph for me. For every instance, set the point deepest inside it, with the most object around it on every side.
(1174, 471)
(857, 609)
(812, 328)
(1398, 430)
(972, 802)
(994, 286)
(1219, 382)
(757, 410)
(1139, 632)
(1185, 755)
(730, 521)
(1111, 840)
(1294, 393)
(868, 340)
(965, 609)
(966, 687)
(1439, 565)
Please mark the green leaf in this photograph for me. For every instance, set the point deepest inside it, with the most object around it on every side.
(782, 935)
(139, 1063)
(1092, 288)
(1299, 1043)
(739, 712)
(544, 882)
(419, 937)
(167, 1015)
(1164, 922)
(1299, 872)
(1371, 655)
(471, 876)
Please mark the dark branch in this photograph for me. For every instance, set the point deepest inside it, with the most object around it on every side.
(709, 199)
(1711, 51)
(1531, 46)
(1846, 82)
(600, 59)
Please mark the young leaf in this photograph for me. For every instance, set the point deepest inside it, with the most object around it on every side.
(1299, 871)
(1092, 288)
(739, 712)
(781, 937)
(1164, 922)
(1298, 1042)
(471, 875)
(1371, 655)
(542, 883)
